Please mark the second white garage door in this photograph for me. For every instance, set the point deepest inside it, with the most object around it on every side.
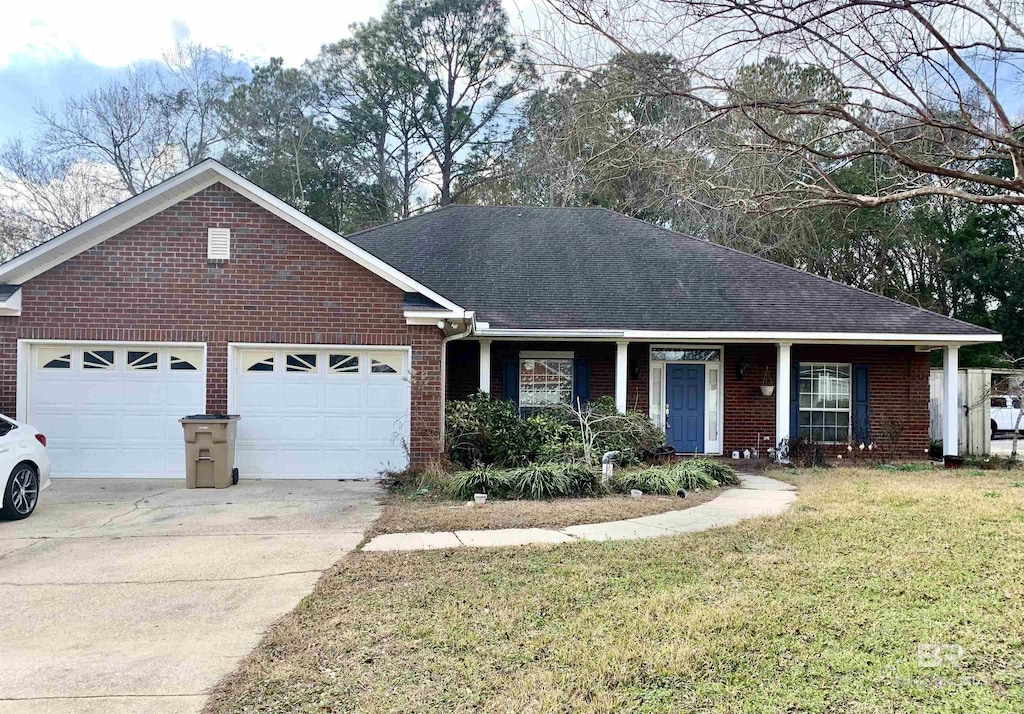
(313, 412)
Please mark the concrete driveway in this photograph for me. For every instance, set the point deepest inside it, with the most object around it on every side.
(138, 596)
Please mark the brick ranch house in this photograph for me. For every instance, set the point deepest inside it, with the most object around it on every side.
(207, 294)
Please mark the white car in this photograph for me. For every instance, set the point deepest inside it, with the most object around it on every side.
(24, 468)
(1005, 412)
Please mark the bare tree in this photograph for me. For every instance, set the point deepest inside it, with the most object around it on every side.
(53, 193)
(194, 89)
(125, 124)
(921, 90)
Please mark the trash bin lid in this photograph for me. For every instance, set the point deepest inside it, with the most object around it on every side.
(211, 417)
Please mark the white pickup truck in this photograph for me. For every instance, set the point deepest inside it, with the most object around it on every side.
(1005, 411)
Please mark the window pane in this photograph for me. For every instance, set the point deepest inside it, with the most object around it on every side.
(668, 354)
(257, 361)
(343, 364)
(545, 382)
(186, 360)
(142, 359)
(54, 358)
(825, 401)
(385, 362)
(98, 359)
(303, 362)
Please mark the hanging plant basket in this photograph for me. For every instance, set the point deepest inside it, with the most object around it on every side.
(767, 385)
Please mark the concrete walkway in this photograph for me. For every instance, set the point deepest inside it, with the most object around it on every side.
(757, 496)
(132, 597)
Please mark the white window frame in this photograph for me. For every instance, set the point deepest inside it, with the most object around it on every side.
(714, 409)
(834, 410)
(541, 356)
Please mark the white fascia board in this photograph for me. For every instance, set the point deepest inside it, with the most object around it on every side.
(12, 305)
(745, 336)
(203, 175)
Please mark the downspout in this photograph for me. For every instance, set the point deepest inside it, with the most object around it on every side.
(470, 325)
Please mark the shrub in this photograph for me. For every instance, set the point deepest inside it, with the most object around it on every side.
(583, 480)
(539, 481)
(723, 473)
(689, 474)
(481, 430)
(487, 431)
(692, 474)
(494, 483)
(632, 434)
(656, 479)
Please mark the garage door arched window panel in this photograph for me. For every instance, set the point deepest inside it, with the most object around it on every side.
(97, 359)
(186, 360)
(300, 362)
(340, 363)
(54, 358)
(142, 360)
(385, 362)
(257, 361)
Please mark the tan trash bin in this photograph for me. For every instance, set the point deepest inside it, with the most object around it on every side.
(210, 450)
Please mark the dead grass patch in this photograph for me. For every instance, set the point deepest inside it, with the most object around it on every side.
(404, 514)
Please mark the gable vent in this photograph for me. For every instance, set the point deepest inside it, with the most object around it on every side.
(218, 243)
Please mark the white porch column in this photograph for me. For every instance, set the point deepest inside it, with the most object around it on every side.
(621, 352)
(782, 391)
(951, 400)
(485, 366)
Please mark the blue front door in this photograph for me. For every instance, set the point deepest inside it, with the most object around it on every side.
(684, 395)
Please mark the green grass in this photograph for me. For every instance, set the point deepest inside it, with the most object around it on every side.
(819, 610)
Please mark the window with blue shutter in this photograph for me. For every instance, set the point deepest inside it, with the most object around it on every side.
(860, 406)
(510, 379)
(580, 382)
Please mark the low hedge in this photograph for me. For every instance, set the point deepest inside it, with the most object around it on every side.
(688, 474)
(536, 481)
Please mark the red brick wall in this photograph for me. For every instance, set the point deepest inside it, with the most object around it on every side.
(898, 398)
(153, 283)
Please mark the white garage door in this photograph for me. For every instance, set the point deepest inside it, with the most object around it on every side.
(112, 411)
(320, 413)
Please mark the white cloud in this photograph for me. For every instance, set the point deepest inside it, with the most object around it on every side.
(113, 34)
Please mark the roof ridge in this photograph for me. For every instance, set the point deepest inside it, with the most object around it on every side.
(802, 272)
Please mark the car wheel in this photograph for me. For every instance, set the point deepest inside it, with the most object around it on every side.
(21, 494)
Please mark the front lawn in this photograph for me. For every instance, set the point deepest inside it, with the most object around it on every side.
(822, 609)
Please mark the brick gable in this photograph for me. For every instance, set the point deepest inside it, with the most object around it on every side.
(153, 282)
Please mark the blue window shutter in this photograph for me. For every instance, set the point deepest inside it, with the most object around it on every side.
(510, 379)
(794, 400)
(580, 381)
(861, 410)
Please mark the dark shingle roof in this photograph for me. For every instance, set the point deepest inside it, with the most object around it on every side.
(563, 268)
(415, 301)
